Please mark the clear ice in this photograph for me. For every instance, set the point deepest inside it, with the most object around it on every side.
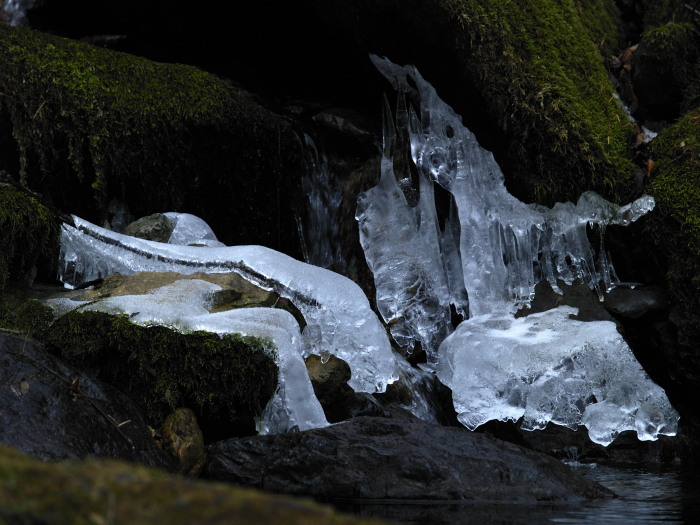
(338, 316)
(486, 260)
(183, 306)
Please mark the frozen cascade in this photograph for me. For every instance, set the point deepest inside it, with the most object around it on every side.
(338, 316)
(184, 305)
(543, 368)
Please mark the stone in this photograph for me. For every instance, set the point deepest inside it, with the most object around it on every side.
(155, 227)
(183, 440)
(377, 458)
(53, 411)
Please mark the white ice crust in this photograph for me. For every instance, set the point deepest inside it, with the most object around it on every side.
(486, 261)
(183, 305)
(338, 316)
(547, 367)
(190, 230)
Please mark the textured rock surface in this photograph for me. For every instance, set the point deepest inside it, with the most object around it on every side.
(183, 439)
(97, 492)
(380, 458)
(53, 411)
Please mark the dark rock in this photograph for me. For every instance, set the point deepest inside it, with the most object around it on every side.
(633, 303)
(329, 378)
(578, 295)
(155, 227)
(53, 411)
(378, 458)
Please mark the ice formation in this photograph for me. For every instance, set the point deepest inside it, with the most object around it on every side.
(184, 305)
(16, 11)
(338, 316)
(545, 368)
(190, 230)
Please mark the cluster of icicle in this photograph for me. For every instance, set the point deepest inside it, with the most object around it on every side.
(485, 262)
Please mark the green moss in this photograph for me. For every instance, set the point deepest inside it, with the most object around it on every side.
(103, 492)
(658, 12)
(601, 18)
(675, 227)
(545, 85)
(221, 378)
(29, 235)
(667, 70)
(31, 317)
(88, 125)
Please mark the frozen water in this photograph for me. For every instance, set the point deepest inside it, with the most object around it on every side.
(16, 11)
(546, 368)
(506, 246)
(542, 368)
(338, 316)
(190, 230)
(183, 306)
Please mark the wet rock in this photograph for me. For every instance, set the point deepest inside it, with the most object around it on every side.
(329, 378)
(183, 440)
(155, 227)
(633, 303)
(578, 295)
(53, 411)
(378, 458)
(102, 492)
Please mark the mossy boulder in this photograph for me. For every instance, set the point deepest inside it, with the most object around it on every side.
(85, 125)
(226, 381)
(675, 227)
(90, 492)
(667, 71)
(29, 235)
(526, 76)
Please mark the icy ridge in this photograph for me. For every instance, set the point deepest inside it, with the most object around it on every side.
(338, 316)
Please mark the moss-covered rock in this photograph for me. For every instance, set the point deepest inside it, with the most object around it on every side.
(29, 235)
(667, 71)
(227, 381)
(526, 77)
(675, 228)
(85, 125)
(95, 492)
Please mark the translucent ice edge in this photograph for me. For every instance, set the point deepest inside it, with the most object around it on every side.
(338, 316)
(547, 367)
(182, 306)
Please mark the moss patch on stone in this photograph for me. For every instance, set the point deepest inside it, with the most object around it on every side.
(31, 318)
(85, 125)
(675, 227)
(225, 380)
(601, 18)
(29, 235)
(545, 83)
(96, 492)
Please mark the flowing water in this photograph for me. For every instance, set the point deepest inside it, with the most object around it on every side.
(668, 496)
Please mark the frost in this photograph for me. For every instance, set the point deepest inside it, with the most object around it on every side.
(338, 316)
(543, 368)
(547, 367)
(183, 307)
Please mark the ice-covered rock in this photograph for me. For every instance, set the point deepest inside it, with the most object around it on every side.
(546, 368)
(338, 316)
(183, 306)
(190, 230)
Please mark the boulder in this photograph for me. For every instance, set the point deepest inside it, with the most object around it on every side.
(155, 227)
(54, 411)
(183, 440)
(93, 491)
(84, 125)
(377, 458)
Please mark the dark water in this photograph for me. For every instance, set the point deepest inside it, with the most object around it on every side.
(670, 496)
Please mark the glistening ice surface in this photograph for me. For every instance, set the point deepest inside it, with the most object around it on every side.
(338, 316)
(544, 368)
